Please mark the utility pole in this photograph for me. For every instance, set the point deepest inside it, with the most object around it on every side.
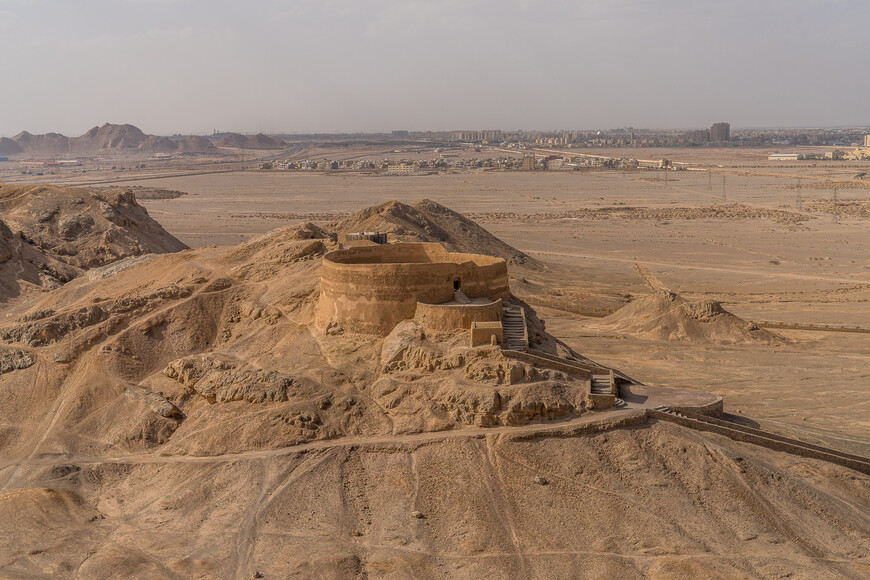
(709, 179)
(724, 197)
(836, 207)
(800, 208)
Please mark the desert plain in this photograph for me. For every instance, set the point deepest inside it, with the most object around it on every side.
(337, 476)
(792, 263)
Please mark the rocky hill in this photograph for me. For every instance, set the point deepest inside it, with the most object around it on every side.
(426, 220)
(46, 144)
(665, 315)
(59, 233)
(108, 137)
(181, 416)
(23, 265)
(9, 147)
(194, 144)
(258, 141)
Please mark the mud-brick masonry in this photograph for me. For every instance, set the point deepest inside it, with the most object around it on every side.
(370, 289)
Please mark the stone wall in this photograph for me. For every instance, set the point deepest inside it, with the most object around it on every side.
(447, 317)
(764, 439)
(370, 289)
(482, 333)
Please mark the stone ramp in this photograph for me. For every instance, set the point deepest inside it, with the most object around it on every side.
(762, 438)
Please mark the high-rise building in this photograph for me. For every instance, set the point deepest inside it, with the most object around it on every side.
(866, 140)
(720, 132)
(529, 163)
(698, 137)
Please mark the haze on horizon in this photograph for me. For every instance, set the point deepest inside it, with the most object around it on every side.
(191, 66)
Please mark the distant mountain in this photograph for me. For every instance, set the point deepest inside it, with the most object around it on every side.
(109, 137)
(258, 141)
(194, 144)
(9, 147)
(48, 144)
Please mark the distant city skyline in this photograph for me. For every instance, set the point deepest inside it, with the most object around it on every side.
(303, 66)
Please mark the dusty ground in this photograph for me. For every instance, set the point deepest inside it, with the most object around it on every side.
(200, 429)
(812, 271)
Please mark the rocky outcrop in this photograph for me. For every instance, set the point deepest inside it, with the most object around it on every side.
(43, 327)
(221, 381)
(155, 402)
(439, 377)
(704, 310)
(13, 359)
(49, 330)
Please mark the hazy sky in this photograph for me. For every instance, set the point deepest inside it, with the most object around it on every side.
(373, 65)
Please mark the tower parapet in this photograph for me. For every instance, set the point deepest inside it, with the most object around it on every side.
(370, 289)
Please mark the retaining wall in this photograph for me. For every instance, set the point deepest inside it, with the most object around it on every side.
(764, 439)
(457, 316)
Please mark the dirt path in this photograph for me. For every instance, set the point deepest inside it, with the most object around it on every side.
(707, 268)
(593, 421)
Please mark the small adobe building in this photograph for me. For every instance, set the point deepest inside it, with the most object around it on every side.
(371, 288)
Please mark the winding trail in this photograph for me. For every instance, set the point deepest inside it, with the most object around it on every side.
(588, 422)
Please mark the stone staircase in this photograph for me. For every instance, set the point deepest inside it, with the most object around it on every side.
(515, 333)
(600, 384)
(606, 388)
(758, 437)
(460, 297)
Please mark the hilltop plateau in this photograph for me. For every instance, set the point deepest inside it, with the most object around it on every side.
(184, 416)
